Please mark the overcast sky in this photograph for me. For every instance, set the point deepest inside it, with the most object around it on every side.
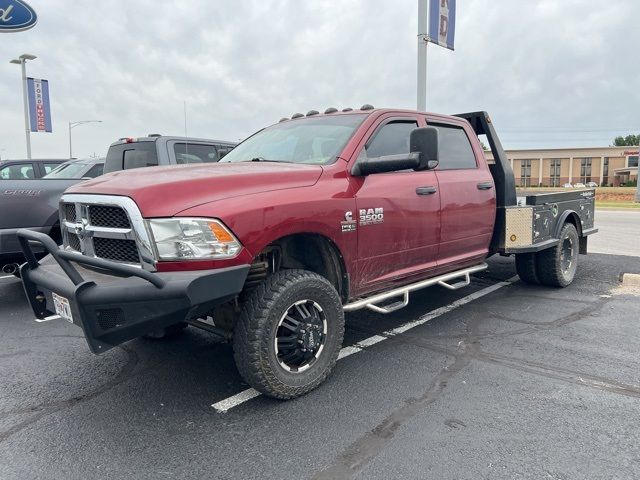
(550, 72)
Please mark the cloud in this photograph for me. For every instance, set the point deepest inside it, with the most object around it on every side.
(550, 73)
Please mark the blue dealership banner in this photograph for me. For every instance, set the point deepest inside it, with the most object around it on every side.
(39, 109)
(16, 16)
(442, 22)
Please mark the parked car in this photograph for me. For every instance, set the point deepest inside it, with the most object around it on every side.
(124, 154)
(592, 184)
(85, 168)
(154, 150)
(579, 185)
(27, 169)
(306, 219)
(567, 185)
(33, 204)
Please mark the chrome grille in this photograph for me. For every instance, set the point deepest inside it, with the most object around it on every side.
(74, 242)
(70, 212)
(110, 217)
(108, 227)
(116, 249)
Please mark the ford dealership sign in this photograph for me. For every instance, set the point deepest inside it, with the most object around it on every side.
(16, 15)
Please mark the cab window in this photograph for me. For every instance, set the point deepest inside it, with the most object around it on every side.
(94, 171)
(454, 148)
(391, 139)
(49, 167)
(195, 153)
(23, 171)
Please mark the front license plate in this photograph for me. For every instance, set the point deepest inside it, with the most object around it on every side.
(62, 307)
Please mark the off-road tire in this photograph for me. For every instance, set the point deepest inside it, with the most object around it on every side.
(526, 268)
(255, 333)
(168, 332)
(549, 262)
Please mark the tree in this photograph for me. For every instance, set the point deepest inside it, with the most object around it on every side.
(628, 141)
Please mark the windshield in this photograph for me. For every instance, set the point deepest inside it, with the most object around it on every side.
(67, 170)
(310, 140)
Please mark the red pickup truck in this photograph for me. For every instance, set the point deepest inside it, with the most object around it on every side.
(308, 218)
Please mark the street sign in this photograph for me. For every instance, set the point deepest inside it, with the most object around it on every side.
(16, 16)
(39, 109)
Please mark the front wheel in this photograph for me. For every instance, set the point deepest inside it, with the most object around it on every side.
(557, 266)
(289, 334)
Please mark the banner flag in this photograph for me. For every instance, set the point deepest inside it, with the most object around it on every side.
(39, 109)
(442, 22)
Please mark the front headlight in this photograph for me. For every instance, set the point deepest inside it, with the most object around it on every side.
(192, 239)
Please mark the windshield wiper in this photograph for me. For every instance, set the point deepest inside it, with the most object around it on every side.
(262, 159)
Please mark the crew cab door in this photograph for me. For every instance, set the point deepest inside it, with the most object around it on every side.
(467, 194)
(398, 213)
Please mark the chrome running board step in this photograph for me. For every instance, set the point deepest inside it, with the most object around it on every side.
(442, 280)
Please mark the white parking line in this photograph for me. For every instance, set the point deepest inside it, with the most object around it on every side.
(8, 276)
(223, 406)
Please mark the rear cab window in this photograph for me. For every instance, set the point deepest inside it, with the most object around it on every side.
(126, 156)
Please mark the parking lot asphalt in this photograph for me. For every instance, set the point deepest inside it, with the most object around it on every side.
(497, 380)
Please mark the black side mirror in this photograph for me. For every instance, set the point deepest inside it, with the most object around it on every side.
(388, 163)
(424, 141)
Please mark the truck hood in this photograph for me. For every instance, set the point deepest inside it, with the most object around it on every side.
(166, 191)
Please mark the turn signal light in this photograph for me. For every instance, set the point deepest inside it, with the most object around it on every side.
(221, 233)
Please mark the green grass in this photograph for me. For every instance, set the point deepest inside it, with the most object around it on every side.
(625, 205)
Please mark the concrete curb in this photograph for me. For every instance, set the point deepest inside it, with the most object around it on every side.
(631, 279)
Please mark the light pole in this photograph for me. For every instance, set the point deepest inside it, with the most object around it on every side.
(423, 6)
(75, 124)
(22, 61)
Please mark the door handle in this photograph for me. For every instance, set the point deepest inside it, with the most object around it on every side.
(485, 186)
(430, 190)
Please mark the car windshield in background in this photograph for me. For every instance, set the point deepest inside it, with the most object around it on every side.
(310, 140)
(68, 170)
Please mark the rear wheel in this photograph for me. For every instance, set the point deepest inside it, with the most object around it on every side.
(556, 267)
(526, 268)
(289, 334)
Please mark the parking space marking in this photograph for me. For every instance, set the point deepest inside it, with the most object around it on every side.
(223, 406)
(346, 351)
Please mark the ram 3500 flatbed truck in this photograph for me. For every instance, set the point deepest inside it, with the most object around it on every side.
(308, 218)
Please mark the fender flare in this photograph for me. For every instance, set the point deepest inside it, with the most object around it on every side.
(568, 216)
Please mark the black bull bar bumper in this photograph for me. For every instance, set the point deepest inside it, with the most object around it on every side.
(117, 302)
